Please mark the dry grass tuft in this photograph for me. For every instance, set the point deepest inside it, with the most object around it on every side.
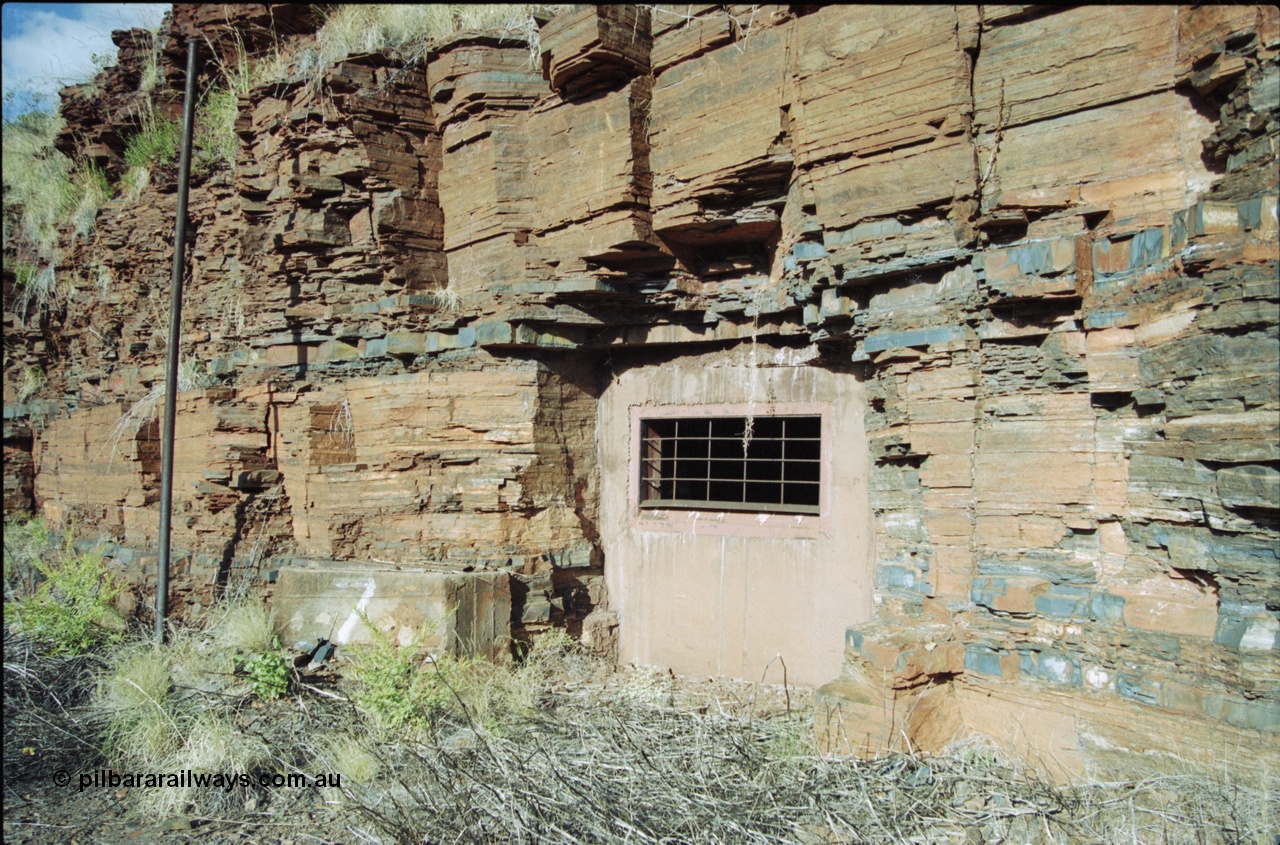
(40, 292)
(351, 758)
(212, 745)
(402, 32)
(135, 704)
(248, 627)
(32, 381)
(44, 191)
(191, 376)
(38, 192)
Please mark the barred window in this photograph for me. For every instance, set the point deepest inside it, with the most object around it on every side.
(713, 463)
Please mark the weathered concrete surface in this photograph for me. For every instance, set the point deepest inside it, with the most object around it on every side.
(715, 593)
(1038, 244)
(458, 613)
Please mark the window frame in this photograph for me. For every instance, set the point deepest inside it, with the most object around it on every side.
(730, 476)
(712, 518)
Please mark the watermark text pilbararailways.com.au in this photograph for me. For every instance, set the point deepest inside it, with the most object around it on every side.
(227, 781)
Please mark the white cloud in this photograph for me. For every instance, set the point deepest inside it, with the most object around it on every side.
(46, 46)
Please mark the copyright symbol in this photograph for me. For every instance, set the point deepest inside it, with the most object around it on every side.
(61, 778)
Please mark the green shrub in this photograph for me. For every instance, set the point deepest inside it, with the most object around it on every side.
(72, 610)
(91, 191)
(270, 673)
(156, 143)
(24, 272)
(402, 687)
(215, 142)
(33, 379)
(26, 542)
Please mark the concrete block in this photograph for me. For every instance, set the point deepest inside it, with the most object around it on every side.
(459, 613)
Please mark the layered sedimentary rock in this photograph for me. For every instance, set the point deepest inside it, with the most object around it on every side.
(1040, 244)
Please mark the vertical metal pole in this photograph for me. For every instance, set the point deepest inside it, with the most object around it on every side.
(175, 341)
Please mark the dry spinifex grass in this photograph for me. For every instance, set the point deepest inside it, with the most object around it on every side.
(619, 761)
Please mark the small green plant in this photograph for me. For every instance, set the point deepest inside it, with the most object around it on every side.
(24, 272)
(33, 379)
(26, 542)
(215, 141)
(402, 688)
(91, 189)
(270, 673)
(156, 143)
(72, 610)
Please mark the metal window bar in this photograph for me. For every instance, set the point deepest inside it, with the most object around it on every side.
(698, 462)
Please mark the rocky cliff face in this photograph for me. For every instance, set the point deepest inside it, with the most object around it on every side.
(1044, 238)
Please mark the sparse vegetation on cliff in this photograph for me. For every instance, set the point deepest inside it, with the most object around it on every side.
(155, 144)
(44, 192)
(37, 185)
(405, 32)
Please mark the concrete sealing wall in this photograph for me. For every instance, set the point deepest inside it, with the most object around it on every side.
(712, 593)
(446, 612)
